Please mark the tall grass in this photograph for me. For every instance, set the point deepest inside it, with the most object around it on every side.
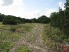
(23, 49)
(10, 34)
(52, 38)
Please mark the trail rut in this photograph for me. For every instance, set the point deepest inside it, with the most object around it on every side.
(33, 40)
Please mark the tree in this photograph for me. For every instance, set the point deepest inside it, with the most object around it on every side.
(57, 19)
(54, 19)
(43, 19)
(9, 20)
(66, 20)
(34, 20)
(61, 19)
(1, 17)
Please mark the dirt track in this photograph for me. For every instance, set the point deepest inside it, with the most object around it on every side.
(33, 40)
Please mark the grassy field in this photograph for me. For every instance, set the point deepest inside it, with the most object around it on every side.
(29, 37)
(10, 34)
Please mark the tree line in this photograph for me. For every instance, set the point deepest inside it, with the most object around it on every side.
(61, 19)
(13, 20)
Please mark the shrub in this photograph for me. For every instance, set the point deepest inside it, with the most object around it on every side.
(9, 20)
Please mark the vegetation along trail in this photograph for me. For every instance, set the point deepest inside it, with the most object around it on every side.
(33, 40)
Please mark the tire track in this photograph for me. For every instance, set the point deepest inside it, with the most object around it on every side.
(33, 40)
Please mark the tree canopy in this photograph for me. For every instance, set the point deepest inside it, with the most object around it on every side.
(61, 19)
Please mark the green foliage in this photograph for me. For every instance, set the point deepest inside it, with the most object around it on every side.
(23, 49)
(61, 19)
(13, 20)
(67, 4)
(43, 19)
(57, 19)
(9, 20)
(5, 46)
(52, 38)
(1, 17)
(54, 19)
(34, 20)
(66, 21)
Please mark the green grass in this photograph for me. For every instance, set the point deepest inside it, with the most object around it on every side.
(10, 34)
(52, 37)
(23, 49)
(5, 46)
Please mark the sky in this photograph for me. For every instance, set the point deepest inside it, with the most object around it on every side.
(30, 8)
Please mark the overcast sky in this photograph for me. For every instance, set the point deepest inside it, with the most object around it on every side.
(30, 8)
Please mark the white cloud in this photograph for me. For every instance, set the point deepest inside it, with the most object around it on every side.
(18, 9)
(1, 2)
(61, 5)
(49, 11)
(7, 2)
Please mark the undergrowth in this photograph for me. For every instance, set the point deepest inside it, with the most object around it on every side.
(52, 38)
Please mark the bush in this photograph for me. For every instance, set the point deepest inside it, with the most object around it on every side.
(43, 19)
(9, 20)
